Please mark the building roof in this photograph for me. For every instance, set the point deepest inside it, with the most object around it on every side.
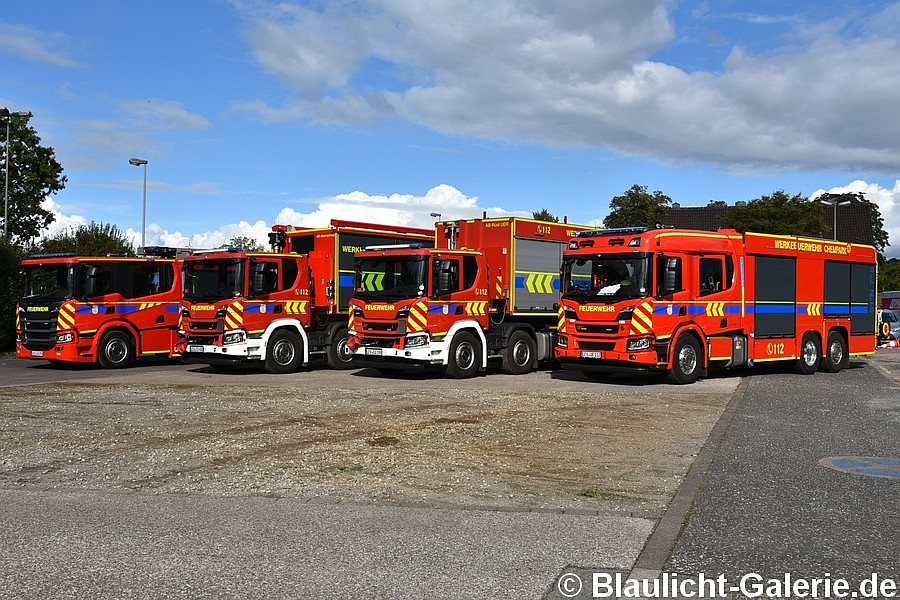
(854, 221)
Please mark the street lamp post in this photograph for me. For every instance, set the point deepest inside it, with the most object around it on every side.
(5, 112)
(835, 204)
(138, 162)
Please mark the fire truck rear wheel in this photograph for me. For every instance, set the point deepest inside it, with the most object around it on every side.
(339, 355)
(810, 355)
(836, 356)
(116, 350)
(518, 356)
(686, 363)
(285, 352)
(464, 352)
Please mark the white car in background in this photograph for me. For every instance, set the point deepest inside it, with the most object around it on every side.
(888, 325)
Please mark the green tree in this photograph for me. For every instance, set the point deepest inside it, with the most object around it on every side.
(545, 215)
(34, 174)
(637, 207)
(248, 243)
(878, 233)
(889, 275)
(96, 239)
(780, 214)
(10, 291)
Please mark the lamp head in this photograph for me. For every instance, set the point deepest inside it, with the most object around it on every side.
(137, 162)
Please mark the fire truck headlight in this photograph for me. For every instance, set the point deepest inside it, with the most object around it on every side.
(64, 338)
(357, 311)
(416, 340)
(235, 337)
(643, 343)
(562, 341)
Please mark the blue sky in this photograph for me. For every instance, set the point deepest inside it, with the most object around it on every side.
(251, 112)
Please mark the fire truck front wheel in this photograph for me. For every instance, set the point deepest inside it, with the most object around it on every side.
(285, 352)
(810, 355)
(464, 356)
(687, 361)
(116, 350)
(518, 356)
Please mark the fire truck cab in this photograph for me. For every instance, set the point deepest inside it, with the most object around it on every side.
(487, 292)
(681, 301)
(99, 309)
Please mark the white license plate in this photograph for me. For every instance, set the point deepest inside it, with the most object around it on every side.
(195, 348)
(37, 352)
(591, 354)
(374, 351)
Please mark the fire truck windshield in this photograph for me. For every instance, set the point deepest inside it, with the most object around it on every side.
(390, 277)
(49, 282)
(607, 276)
(211, 280)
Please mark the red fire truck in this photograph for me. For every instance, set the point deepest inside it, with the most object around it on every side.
(680, 301)
(92, 309)
(279, 308)
(488, 291)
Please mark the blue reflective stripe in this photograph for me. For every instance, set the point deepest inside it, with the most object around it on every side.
(775, 309)
(345, 281)
(126, 308)
(172, 308)
(520, 282)
(252, 308)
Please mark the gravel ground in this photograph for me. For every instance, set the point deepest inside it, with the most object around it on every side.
(543, 441)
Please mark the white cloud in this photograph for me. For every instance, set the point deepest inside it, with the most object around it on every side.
(583, 74)
(396, 209)
(35, 45)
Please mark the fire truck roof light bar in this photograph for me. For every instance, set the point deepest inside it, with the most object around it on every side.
(619, 231)
(52, 255)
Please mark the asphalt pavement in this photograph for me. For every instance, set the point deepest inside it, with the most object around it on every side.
(769, 505)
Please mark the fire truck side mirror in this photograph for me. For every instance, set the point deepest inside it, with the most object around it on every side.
(668, 275)
(443, 271)
(90, 280)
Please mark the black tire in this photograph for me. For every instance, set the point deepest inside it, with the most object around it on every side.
(116, 350)
(339, 356)
(810, 355)
(836, 356)
(284, 353)
(518, 356)
(465, 355)
(687, 362)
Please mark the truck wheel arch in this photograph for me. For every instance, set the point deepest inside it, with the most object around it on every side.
(473, 328)
(689, 341)
(122, 326)
(295, 327)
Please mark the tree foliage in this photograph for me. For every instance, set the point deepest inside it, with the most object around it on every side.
(779, 214)
(96, 239)
(637, 207)
(545, 215)
(34, 174)
(248, 243)
(889, 275)
(10, 291)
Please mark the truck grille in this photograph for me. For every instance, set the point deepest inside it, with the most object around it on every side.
(608, 329)
(40, 332)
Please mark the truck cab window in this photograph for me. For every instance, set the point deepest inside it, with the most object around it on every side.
(711, 275)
